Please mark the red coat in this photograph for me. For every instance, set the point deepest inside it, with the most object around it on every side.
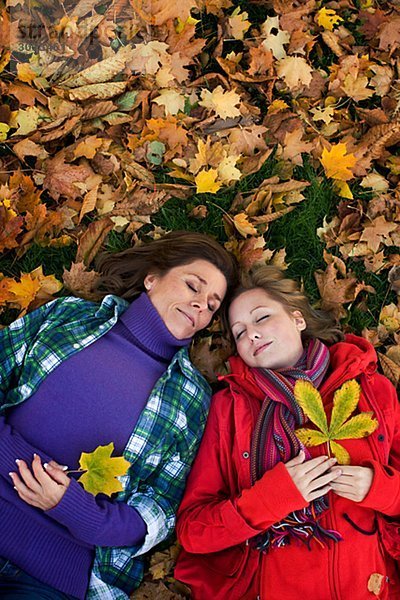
(221, 511)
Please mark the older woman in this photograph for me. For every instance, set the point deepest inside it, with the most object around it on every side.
(95, 374)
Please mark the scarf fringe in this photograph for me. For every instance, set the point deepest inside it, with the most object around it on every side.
(301, 526)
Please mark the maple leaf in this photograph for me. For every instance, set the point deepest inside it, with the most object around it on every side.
(238, 23)
(224, 104)
(206, 181)
(345, 401)
(171, 100)
(295, 71)
(102, 470)
(293, 146)
(242, 224)
(328, 18)
(276, 38)
(337, 163)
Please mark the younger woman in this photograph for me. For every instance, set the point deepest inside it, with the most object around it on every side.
(265, 517)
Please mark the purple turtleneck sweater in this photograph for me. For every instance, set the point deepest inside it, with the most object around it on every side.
(93, 398)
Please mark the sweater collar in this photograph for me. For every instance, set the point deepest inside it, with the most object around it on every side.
(146, 325)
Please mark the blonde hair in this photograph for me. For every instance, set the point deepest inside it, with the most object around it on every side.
(319, 324)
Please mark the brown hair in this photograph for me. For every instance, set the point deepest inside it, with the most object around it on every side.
(320, 324)
(123, 273)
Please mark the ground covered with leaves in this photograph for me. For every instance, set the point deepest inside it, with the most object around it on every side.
(272, 125)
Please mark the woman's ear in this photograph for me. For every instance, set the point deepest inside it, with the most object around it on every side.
(149, 281)
(299, 320)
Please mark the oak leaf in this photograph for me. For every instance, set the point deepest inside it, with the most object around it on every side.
(337, 163)
(102, 470)
(345, 401)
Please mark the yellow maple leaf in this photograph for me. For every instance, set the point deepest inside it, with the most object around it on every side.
(337, 163)
(390, 318)
(243, 225)
(341, 427)
(227, 171)
(327, 18)
(277, 106)
(102, 470)
(25, 73)
(206, 181)
(342, 189)
(224, 104)
(88, 147)
(4, 129)
(295, 71)
(25, 290)
(171, 100)
(238, 23)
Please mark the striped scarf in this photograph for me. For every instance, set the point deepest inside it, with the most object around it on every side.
(274, 441)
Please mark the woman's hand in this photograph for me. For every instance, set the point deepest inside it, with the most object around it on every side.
(354, 483)
(40, 487)
(312, 477)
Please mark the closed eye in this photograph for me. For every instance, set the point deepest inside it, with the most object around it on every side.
(192, 287)
(239, 334)
(262, 318)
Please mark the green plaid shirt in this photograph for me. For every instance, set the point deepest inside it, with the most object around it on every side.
(161, 447)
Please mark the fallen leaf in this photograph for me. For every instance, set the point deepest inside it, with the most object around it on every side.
(337, 162)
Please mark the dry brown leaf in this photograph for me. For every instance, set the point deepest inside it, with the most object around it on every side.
(92, 239)
(81, 282)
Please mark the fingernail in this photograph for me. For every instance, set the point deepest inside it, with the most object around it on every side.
(35, 455)
(17, 460)
(46, 465)
(64, 468)
(11, 475)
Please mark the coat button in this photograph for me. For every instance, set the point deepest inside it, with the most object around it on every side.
(381, 437)
(245, 455)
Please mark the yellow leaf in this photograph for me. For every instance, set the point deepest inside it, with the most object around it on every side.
(25, 290)
(242, 224)
(295, 71)
(327, 18)
(227, 171)
(25, 73)
(337, 163)
(224, 104)
(88, 147)
(342, 189)
(4, 129)
(238, 23)
(102, 470)
(345, 401)
(277, 106)
(310, 401)
(171, 100)
(359, 426)
(310, 437)
(206, 181)
(342, 456)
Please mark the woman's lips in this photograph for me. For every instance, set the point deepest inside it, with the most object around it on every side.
(261, 348)
(188, 317)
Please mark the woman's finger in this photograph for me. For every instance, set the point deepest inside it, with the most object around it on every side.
(318, 493)
(21, 487)
(297, 460)
(57, 474)
(323, 480)
(317, 466)
(27, 477)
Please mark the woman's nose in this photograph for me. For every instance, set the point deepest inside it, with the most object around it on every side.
(253, 334)
(200, 302)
